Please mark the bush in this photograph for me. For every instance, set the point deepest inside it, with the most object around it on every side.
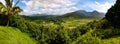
(102, 24)
(106, 33)
(87, 38)
(44, 34)
(77, 32)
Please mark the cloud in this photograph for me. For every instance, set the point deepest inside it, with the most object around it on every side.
(48, 3)
(49, 6)
(98, 5)
(2, 1)
(101, 7)
(51, 11)
(63, 6)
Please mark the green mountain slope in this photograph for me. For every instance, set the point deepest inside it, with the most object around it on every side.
(73, 15)
(9, 35)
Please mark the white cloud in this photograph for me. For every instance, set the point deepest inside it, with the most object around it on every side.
(49, 6)
(51, 11)
(101, 7)
(2, 1)
(48, 3)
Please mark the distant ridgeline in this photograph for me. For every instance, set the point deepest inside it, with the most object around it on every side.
(76, 14)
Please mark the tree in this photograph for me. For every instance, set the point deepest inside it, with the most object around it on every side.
(8, 9)
(113, 15)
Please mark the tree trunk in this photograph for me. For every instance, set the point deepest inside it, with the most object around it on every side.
(8, 21)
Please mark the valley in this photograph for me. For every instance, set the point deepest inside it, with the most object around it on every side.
(59, 22)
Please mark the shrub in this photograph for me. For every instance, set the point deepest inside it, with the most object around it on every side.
(106, 33)
(44, 34)
(77, 32)
(87, 38)
(102, 24)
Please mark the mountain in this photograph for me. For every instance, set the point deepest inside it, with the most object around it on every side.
(90, 14)
(39, 16)
(83, 14)
(72, 15)
(76, 14)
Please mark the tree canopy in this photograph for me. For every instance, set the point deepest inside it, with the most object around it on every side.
(9, 8)
(113, 14)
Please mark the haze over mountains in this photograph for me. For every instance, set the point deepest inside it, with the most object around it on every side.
(90, 14)
(76, 14)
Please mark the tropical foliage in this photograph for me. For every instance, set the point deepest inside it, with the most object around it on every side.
(8, 9)
(113, 14)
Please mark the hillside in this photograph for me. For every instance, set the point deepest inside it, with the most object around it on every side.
(93, 14)
(76, 14)
(72, 15)
(83, 14)
(9, 35)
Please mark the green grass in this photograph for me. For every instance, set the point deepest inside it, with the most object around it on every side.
(114, 40)
(9, 35)
(77, 22)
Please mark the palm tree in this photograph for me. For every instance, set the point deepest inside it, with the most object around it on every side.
(8, 9)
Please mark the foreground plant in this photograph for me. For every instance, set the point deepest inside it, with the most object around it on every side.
(8, 9)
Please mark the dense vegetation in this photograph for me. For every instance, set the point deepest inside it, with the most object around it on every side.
(68, 29)
(66, 32)
(113, 15)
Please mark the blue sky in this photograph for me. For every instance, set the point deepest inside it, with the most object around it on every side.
(99, 5)
(57, 7)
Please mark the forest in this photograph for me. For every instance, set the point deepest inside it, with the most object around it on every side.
(70, 28)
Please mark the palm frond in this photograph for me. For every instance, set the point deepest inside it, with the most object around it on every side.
(16, 3)
(16, 10)
(8, 3)
(2, 5)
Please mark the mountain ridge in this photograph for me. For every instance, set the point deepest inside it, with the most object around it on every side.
(76, 14)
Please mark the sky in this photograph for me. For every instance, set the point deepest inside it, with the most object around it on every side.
(58, 7)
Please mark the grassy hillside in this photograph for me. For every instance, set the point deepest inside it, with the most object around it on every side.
(9, 35)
